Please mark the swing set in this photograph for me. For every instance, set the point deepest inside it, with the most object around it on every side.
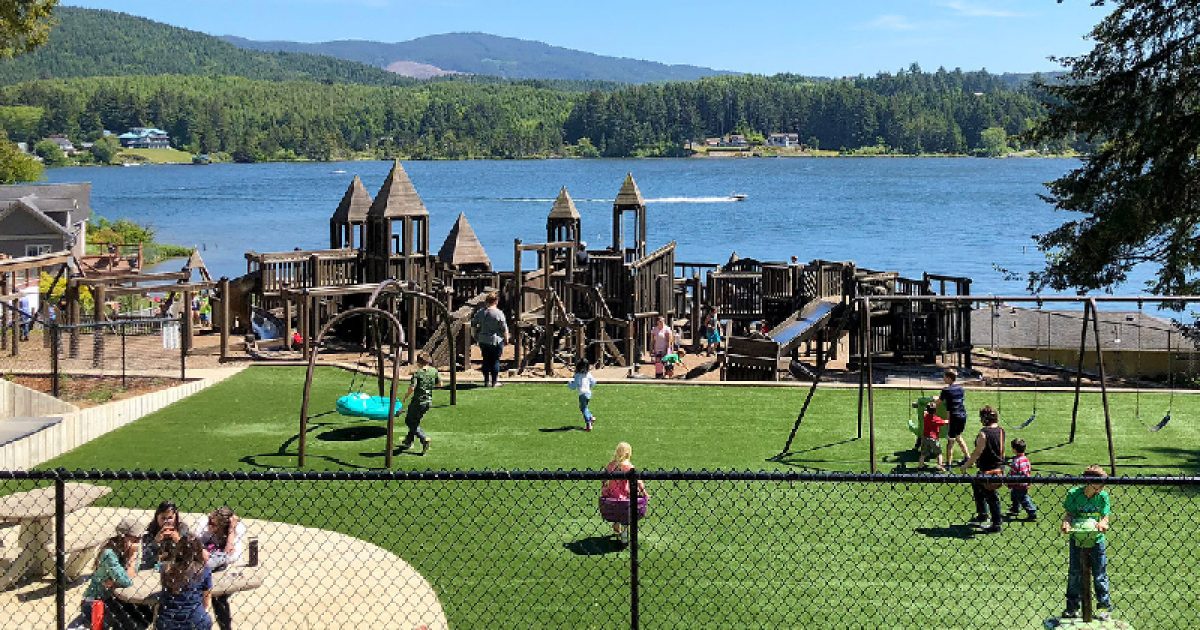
(1090, 319)
(382, 327)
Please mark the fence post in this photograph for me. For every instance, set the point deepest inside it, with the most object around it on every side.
(54, 341)
(1085, 568)
(182, 351)
(633, 549)
(60, 554)
(124, 385)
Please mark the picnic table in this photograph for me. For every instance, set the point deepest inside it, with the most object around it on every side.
(33, 510)
(147, 585)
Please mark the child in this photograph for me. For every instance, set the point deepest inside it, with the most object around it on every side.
(114, 566)
(669, 362)
(1019, 492)
(583, 383)
(424, 380)
(1086, 519)
(954, 398)
(713, 334)
(615, 491)
(931, 428)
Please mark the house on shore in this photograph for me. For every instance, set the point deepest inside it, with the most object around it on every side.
(145, 138)
(783, 140)
(63, 143)
(38, 219)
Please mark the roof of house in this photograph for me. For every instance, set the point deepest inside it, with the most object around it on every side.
(397, 197)
(29, 205)
(355, 205)
(1044, 329)
(73, 198)
(462, 246)
(564, 207)
(629, 195)
(141, 132)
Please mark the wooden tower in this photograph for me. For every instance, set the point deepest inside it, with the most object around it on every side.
(397, 231)
(563, 223)
(629, 199)
(348, 225)
(462, 250)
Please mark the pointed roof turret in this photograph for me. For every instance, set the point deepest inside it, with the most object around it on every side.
(564, 207)
(462, 247)
(732, 259)
(629, 194)
(355, 205)
(397, 197)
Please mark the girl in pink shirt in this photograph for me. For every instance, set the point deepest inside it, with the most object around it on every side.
(617, 490)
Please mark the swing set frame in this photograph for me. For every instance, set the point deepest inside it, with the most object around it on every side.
(866, 390)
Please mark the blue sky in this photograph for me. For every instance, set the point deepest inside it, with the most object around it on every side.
(811, 37)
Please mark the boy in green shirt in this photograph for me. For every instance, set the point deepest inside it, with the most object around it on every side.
(1087, 509)
(421, 390)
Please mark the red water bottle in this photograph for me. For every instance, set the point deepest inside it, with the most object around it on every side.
(98, 614)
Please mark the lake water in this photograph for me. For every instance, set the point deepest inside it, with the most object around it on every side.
(954, 216)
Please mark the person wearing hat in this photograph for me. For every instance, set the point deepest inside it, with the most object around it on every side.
(116, 562)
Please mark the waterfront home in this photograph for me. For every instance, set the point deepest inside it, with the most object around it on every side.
(63, 143)
(39, 219)
(145, 138)
(783, 140)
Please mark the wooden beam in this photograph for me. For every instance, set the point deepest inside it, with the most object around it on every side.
(164, 288)
(134, 278)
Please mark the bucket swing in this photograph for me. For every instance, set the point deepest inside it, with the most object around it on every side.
(357, 404)
(1046, 348)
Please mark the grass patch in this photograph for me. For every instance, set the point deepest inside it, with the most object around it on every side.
(766, 555)
(153, 156)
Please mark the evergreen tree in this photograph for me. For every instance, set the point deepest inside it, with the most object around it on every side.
(1136, 94)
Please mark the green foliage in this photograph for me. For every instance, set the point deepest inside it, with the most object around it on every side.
(104, 149)
(16, 166)
(88, 42)
(121, 231)
(51, 153)
(20, 122)
(994, 142)
(45, 280)
(1134, 96)
(24, 25)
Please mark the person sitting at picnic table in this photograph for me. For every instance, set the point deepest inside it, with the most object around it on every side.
(114, 566)
(221, 533)
(186, 584)
(165, 521)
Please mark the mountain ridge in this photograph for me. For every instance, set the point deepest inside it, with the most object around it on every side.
(491, 55)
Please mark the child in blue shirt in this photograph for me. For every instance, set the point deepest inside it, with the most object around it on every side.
(583, 384)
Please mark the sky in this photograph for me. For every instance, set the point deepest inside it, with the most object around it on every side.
(808, 37)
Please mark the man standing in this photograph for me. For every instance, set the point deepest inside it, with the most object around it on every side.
(28, 307)
(491, 333)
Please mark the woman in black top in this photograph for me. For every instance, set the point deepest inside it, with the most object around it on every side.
(988, 457)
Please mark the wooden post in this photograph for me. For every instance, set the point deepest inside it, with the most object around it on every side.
(188, 329)
(287, 317)
(225, 323)
(548, 312)
(870, 378)
(697, 304)
(1112, 459)
(411, 304)
(98, 329)
(305, 332)
(1087, 309)
(1085, 591)
(518, 303)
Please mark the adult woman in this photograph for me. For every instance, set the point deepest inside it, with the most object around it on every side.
(662, 342)
(221, 535)
(491, 334)
(988, 456)
(187, 586)
(114, 566)
(614, 493)
(165, 522)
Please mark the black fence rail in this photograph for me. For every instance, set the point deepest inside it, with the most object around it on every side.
(530, 550)
(94, 361)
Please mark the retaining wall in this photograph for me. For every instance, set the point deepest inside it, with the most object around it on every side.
(19, 401)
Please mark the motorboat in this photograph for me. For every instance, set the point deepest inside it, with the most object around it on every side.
(738, 196)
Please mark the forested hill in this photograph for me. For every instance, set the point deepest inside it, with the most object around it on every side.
(90, 42)
(908, 112)
(480, 53)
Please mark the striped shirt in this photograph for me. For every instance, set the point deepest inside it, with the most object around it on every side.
(1019, 467)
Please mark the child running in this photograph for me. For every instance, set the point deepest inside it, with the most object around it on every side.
(954, 398)
(930, 430)
(583, 384)
(1019, 492)
(1087, 509)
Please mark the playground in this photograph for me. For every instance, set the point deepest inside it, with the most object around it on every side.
(502, 552)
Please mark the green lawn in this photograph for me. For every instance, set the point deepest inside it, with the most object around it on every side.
(714, 554)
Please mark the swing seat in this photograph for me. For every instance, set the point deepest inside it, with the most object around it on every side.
(360, 405)
(617, 510)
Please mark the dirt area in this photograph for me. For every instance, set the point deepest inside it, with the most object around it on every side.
(90, 391)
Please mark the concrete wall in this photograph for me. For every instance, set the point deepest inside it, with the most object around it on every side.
(18, 401)
(80, 426)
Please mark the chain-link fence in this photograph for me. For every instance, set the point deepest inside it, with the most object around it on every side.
(93, 362)
(524, 550)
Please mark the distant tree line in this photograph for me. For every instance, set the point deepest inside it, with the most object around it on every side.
(909, 112)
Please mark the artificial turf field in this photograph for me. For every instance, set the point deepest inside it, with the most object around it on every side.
(713, 554)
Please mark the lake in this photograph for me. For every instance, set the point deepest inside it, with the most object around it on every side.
(957, 216)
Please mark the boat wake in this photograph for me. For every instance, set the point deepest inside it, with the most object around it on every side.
(721, 199)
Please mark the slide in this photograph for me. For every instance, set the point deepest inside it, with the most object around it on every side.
(803, 324)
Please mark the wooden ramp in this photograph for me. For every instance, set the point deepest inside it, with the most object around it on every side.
(803, 324)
